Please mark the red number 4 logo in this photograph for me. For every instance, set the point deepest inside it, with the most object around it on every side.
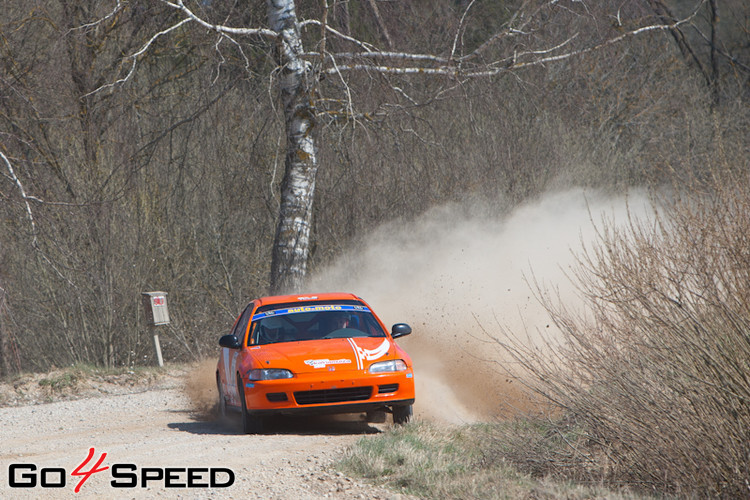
(87, 474)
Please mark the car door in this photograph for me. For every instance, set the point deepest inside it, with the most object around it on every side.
(230, 357)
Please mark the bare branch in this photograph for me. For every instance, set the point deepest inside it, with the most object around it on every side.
(224, 31)
(496, 67)
(392, 70)
(394, 56)
(606, 43)
(117, 9)
(264, 32)
(460, 25)
(363, 45)
(349, 100)
(733, 59)
(221, 56)
(510, 31)
(30, 216)
(19, 185)
(135, 56)
(381, 24)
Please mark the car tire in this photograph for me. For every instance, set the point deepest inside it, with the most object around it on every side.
(402, 414)
(222, 398)
(251, 424)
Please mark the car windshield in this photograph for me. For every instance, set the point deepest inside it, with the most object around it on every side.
(313, 322)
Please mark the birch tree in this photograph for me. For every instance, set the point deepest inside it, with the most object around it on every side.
(533, 35)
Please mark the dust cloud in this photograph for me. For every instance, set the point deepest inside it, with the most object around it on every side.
(455, 274)
(200, 387)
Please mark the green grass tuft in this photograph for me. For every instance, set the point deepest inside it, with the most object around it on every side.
(475, 461)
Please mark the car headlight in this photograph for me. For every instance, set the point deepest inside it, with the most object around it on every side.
(394, 365)
(268, 374)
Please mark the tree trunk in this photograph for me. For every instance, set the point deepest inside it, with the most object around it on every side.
(5, 365)
(298, 87)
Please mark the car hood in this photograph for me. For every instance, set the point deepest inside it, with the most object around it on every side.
(326, 354)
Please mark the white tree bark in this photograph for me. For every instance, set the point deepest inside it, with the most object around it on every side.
(297, 86)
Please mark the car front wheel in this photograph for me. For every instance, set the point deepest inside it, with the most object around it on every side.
(402, 414)
(251, 424)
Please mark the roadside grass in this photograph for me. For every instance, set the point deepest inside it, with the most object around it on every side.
(74, 375)
(67, 379)
(82, 380)
(503, 460)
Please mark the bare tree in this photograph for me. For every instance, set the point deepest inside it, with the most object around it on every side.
(165, 166)
(85, 209)
(299, 72)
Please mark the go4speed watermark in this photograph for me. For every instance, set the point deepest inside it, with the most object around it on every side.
(122, 475)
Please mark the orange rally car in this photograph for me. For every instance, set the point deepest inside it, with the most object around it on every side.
(301, 354)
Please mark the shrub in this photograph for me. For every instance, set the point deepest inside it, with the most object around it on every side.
(656, 368)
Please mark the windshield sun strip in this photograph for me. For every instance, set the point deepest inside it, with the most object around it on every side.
(309, 309)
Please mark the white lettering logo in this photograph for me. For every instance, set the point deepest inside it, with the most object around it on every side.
(322, 363)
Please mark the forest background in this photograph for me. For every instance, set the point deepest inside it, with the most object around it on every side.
(169, 179)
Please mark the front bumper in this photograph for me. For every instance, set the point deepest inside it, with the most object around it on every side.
(339, 392)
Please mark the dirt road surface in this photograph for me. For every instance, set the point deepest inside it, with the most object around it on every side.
(158, 428)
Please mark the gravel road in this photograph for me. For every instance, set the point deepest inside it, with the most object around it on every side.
(158, 429)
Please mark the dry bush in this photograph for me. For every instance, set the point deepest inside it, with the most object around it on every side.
(656, 369)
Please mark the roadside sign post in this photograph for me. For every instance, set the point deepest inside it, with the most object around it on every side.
(157, 313)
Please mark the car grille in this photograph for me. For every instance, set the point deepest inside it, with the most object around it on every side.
(333, 395)
(276, 397)
(385, 389)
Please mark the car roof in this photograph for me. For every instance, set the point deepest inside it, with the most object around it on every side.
(307, 297)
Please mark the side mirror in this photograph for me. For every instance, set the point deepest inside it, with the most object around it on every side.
(400, 330)
(229, 341)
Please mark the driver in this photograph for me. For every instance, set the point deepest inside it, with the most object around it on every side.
(340, 321)
(269, 331)
(331, 322)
